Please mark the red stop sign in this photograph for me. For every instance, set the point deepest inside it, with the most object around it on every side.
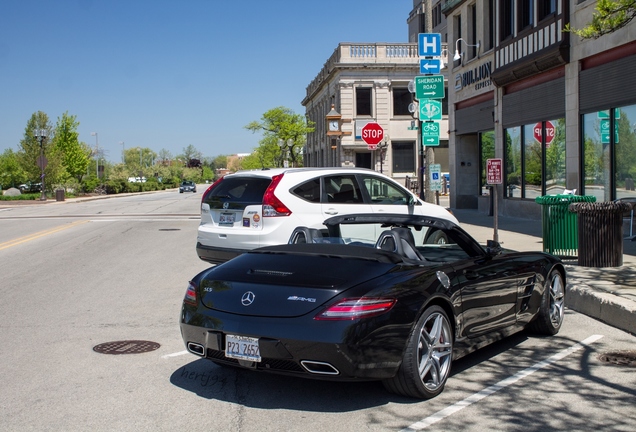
(549, 132)
(372, 134)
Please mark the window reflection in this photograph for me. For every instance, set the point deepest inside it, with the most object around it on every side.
(603, 178)
(535, 159)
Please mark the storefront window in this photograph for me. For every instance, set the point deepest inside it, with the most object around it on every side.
(625, 145)
(535, 164)
(596, 156)
(555, 157)
(532, 156)
(487, 151)
(513, 162)
(601, 148)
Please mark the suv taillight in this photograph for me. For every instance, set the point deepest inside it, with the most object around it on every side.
(272, 206)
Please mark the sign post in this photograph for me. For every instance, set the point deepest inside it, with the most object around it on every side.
(429, 90)
(494, 177)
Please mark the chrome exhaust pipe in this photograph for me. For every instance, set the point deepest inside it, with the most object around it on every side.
(319, 368)
(196, 348)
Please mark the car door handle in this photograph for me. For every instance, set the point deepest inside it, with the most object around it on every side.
(331, 212)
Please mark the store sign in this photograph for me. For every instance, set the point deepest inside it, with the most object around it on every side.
(478, 76)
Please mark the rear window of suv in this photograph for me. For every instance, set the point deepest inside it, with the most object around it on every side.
(238, 192)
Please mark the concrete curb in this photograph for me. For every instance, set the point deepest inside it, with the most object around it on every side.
(608, 308)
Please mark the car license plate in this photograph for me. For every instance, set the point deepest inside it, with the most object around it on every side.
(226, 218)
(242, 348)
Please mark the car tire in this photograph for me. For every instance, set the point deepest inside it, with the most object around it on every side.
(550, 316)
(437, 237)
(427, 359)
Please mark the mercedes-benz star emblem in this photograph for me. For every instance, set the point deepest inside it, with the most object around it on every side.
(248, 298)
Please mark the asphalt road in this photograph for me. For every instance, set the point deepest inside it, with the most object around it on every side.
(76, 275)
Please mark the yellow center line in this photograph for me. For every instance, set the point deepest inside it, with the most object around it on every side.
(37, 235)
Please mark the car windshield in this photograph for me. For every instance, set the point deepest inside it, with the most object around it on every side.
(417, 241)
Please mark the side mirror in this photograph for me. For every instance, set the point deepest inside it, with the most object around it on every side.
(493, 248)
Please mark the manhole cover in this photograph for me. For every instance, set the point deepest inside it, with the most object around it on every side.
(621, 358)
(126, 347)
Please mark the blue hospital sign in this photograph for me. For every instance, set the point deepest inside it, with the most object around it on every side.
(429, 44)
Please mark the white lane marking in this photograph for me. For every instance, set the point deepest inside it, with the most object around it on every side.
(177, 354)
(448, 411)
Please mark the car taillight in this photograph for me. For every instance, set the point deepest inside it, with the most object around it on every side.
(207, 191)
(191, 295)
(349, 309)
(272, 206)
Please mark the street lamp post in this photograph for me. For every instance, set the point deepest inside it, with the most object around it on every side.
(96, 154)
(40, 135)
(123, 152)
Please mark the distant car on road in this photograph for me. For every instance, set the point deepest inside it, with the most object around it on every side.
(187, 186)
(30, 187)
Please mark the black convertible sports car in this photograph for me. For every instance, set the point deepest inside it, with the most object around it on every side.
(369, 298)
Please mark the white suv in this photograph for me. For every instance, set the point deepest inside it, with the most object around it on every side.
(250, 209)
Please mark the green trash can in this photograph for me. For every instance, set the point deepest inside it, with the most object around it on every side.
(560, 225)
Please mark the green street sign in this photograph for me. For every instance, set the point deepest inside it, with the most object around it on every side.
(430, 109)
(605, 114)
(429, 87)
(605, 131)
(430, 134)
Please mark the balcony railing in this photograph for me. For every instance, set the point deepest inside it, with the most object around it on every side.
(450, 4)
(369, 53)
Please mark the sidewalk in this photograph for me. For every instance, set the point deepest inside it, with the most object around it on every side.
(607, 294)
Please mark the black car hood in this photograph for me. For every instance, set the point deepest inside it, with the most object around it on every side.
(281, 284)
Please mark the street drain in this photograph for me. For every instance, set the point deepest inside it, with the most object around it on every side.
(126, 347)
(169, 229)
(621, 358)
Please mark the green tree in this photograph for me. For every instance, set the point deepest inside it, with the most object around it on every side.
(75, 154)
(138, 158)
(29, 151)
(284, 136)
(610, 16)
(164, 157)
(219, 162)
(190, 152)
(11, 173)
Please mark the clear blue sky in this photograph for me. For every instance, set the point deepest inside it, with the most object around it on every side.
(166, 74)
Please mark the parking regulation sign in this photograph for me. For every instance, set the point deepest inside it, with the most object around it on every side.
(494, 171)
